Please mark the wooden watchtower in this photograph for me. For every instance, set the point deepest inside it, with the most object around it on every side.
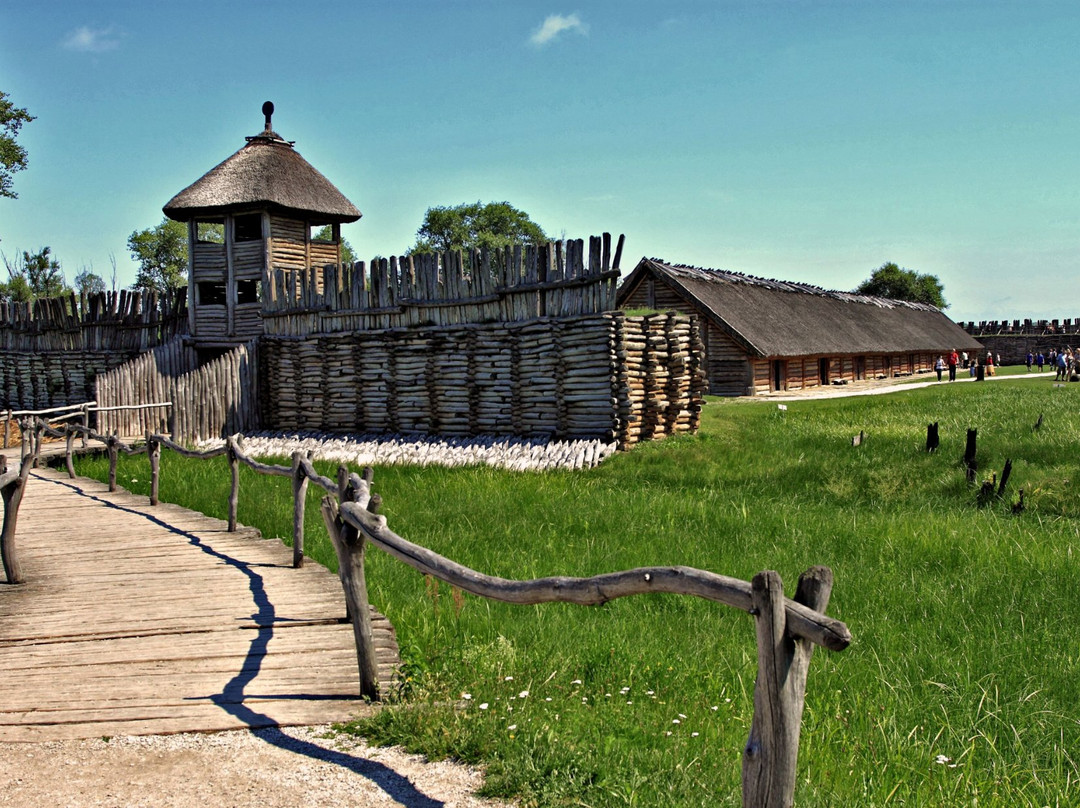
(255, 212)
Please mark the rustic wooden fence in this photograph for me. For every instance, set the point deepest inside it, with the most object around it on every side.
(125, 321)
(514, 284)
(787, 629)
(213, 400)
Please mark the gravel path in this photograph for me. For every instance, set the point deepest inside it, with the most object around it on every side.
(276, 768)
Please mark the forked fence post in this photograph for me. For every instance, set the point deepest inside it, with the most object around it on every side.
(349, 544)
(39, 435)
(772, 752)
(299, 487)
(153, 454)
(7, 429)
(86, 425)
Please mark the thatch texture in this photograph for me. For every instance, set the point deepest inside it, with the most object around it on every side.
(266, 174)
(780, 319)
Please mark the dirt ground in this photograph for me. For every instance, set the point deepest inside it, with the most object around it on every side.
(276, 768)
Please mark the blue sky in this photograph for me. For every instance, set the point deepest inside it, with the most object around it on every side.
(808, 141)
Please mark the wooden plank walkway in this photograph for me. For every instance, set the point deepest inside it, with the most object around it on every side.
(140, 620)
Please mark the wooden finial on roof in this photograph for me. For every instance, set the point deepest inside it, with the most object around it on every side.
(268, 111)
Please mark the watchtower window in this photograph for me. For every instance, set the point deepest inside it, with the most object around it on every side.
(325, 234)
(210, 232)
(249, 227)
(248, 291)
(211, 294)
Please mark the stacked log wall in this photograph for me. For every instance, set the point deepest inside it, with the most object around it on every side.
(592, 377)
(38, 381)
(1013, 348)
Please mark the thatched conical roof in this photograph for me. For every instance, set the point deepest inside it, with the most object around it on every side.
(267, 173)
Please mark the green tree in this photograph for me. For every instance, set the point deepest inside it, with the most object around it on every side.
(326, 233)
(473, 225)
(87, 282)
(162, 255)
(12, 155)
(34, 275)
(897, 283)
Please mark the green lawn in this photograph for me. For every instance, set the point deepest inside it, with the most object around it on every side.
(961, 686)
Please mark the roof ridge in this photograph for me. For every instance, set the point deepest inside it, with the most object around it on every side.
(707, 273)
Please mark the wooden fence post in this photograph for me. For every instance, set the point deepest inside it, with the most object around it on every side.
(234, 474)
(12, 494)
(39, 433)
(771, 754)
(7, 429)
(970, 463)
(86, 425)
(111, 445)
(349, 544)
(299, 487)
(69, 439)
(153, 454)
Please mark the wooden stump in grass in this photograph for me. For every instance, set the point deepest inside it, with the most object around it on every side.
(932, 441)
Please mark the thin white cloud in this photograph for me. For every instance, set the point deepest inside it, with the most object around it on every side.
(555, 25)
(85, 39)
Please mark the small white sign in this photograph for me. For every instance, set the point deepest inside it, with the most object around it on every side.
(784, 406)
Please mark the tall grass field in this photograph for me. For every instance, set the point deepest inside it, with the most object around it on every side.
(962, 685)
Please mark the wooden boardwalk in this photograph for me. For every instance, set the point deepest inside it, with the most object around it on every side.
(140, 620)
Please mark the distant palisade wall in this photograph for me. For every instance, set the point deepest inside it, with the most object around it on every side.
(127, 321)
(52, 349)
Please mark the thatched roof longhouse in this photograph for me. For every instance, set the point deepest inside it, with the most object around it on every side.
(780, 318)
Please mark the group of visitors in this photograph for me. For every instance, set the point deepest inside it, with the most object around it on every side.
(1037, 359)
(1066, 363)
(970, 364)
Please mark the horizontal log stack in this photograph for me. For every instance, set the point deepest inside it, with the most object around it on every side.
(661, 376)
(602, 377)
(37, 381)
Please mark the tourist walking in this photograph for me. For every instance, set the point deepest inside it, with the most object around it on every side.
(939, 366)
(954, 357)
(1029, 359)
